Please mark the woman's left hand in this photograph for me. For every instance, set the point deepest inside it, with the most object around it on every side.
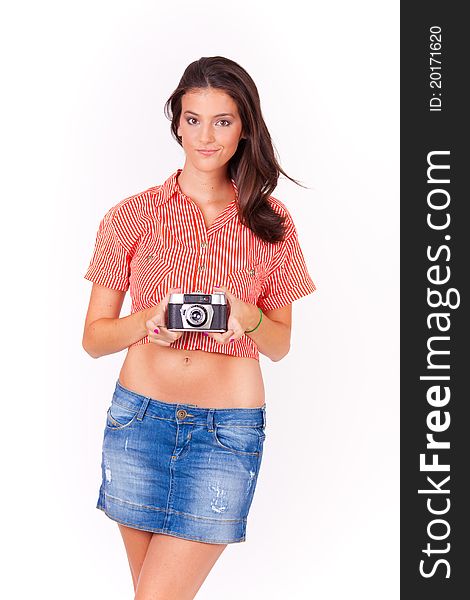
(236, 324)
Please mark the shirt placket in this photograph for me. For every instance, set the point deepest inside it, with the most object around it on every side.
(202, 241)
(202, 272)
(200, 282)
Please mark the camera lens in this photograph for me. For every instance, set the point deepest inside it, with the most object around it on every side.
(196, 315)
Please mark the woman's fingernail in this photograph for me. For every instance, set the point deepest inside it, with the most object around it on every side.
(204, 333)
(156, 331)
(232, 340)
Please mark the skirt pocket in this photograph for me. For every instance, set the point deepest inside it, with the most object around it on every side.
(119, 416)
(240, 439)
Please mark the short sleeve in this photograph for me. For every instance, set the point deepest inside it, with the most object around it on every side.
(110, 262)
(289, 280)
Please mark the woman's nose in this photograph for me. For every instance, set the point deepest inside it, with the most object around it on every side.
(207, 134)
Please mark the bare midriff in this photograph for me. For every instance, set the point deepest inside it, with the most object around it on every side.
(207, 379)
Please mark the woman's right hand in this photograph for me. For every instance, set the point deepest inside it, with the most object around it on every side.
(155, 322)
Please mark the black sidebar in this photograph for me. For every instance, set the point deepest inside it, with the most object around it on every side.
(435, 253)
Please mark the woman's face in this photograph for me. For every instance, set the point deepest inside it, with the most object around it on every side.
(209, 121)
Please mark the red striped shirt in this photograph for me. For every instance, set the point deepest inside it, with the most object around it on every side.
(157, 240)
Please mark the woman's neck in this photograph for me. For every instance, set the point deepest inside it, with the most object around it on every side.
(207, 188)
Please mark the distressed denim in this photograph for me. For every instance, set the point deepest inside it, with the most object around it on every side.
(180, 469)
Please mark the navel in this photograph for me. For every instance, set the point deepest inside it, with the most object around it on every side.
(187, 360)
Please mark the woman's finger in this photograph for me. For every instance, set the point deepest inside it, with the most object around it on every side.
(153, 324)
(221, 338)
(229, 295)
(161, 333)
(169, 335)
(159, 341)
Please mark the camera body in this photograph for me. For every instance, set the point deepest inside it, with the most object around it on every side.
(196, 311)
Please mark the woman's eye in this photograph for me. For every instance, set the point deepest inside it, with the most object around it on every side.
(189, 119)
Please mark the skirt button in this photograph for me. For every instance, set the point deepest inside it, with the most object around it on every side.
(181, 414)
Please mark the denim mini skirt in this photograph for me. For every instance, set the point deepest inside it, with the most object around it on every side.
(180, 469)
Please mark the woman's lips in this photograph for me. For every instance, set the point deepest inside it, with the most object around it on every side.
(207, 152)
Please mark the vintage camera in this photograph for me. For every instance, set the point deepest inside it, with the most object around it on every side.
(195, 311)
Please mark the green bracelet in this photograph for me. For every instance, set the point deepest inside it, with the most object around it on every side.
(259, 323)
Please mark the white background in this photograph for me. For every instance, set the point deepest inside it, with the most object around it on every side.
(84, 84)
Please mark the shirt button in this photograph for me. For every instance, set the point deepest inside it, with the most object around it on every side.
(252, 271)
(201, 268)
(204, 245)
(181, 414)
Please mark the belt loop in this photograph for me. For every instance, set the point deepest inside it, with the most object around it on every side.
(264, 416)
(210, 420)
(143, 408)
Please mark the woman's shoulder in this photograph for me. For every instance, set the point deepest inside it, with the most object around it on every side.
(279, 206)
(135, 207)
(281, 209)
(130, 218)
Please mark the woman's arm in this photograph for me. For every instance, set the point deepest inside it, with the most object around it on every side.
(273, 335)
(104, 332)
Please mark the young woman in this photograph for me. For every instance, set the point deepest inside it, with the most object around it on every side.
(184, 432)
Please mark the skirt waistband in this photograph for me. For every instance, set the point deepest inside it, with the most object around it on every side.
(183, 412)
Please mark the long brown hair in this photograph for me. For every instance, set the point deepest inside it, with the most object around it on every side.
(254, 166)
